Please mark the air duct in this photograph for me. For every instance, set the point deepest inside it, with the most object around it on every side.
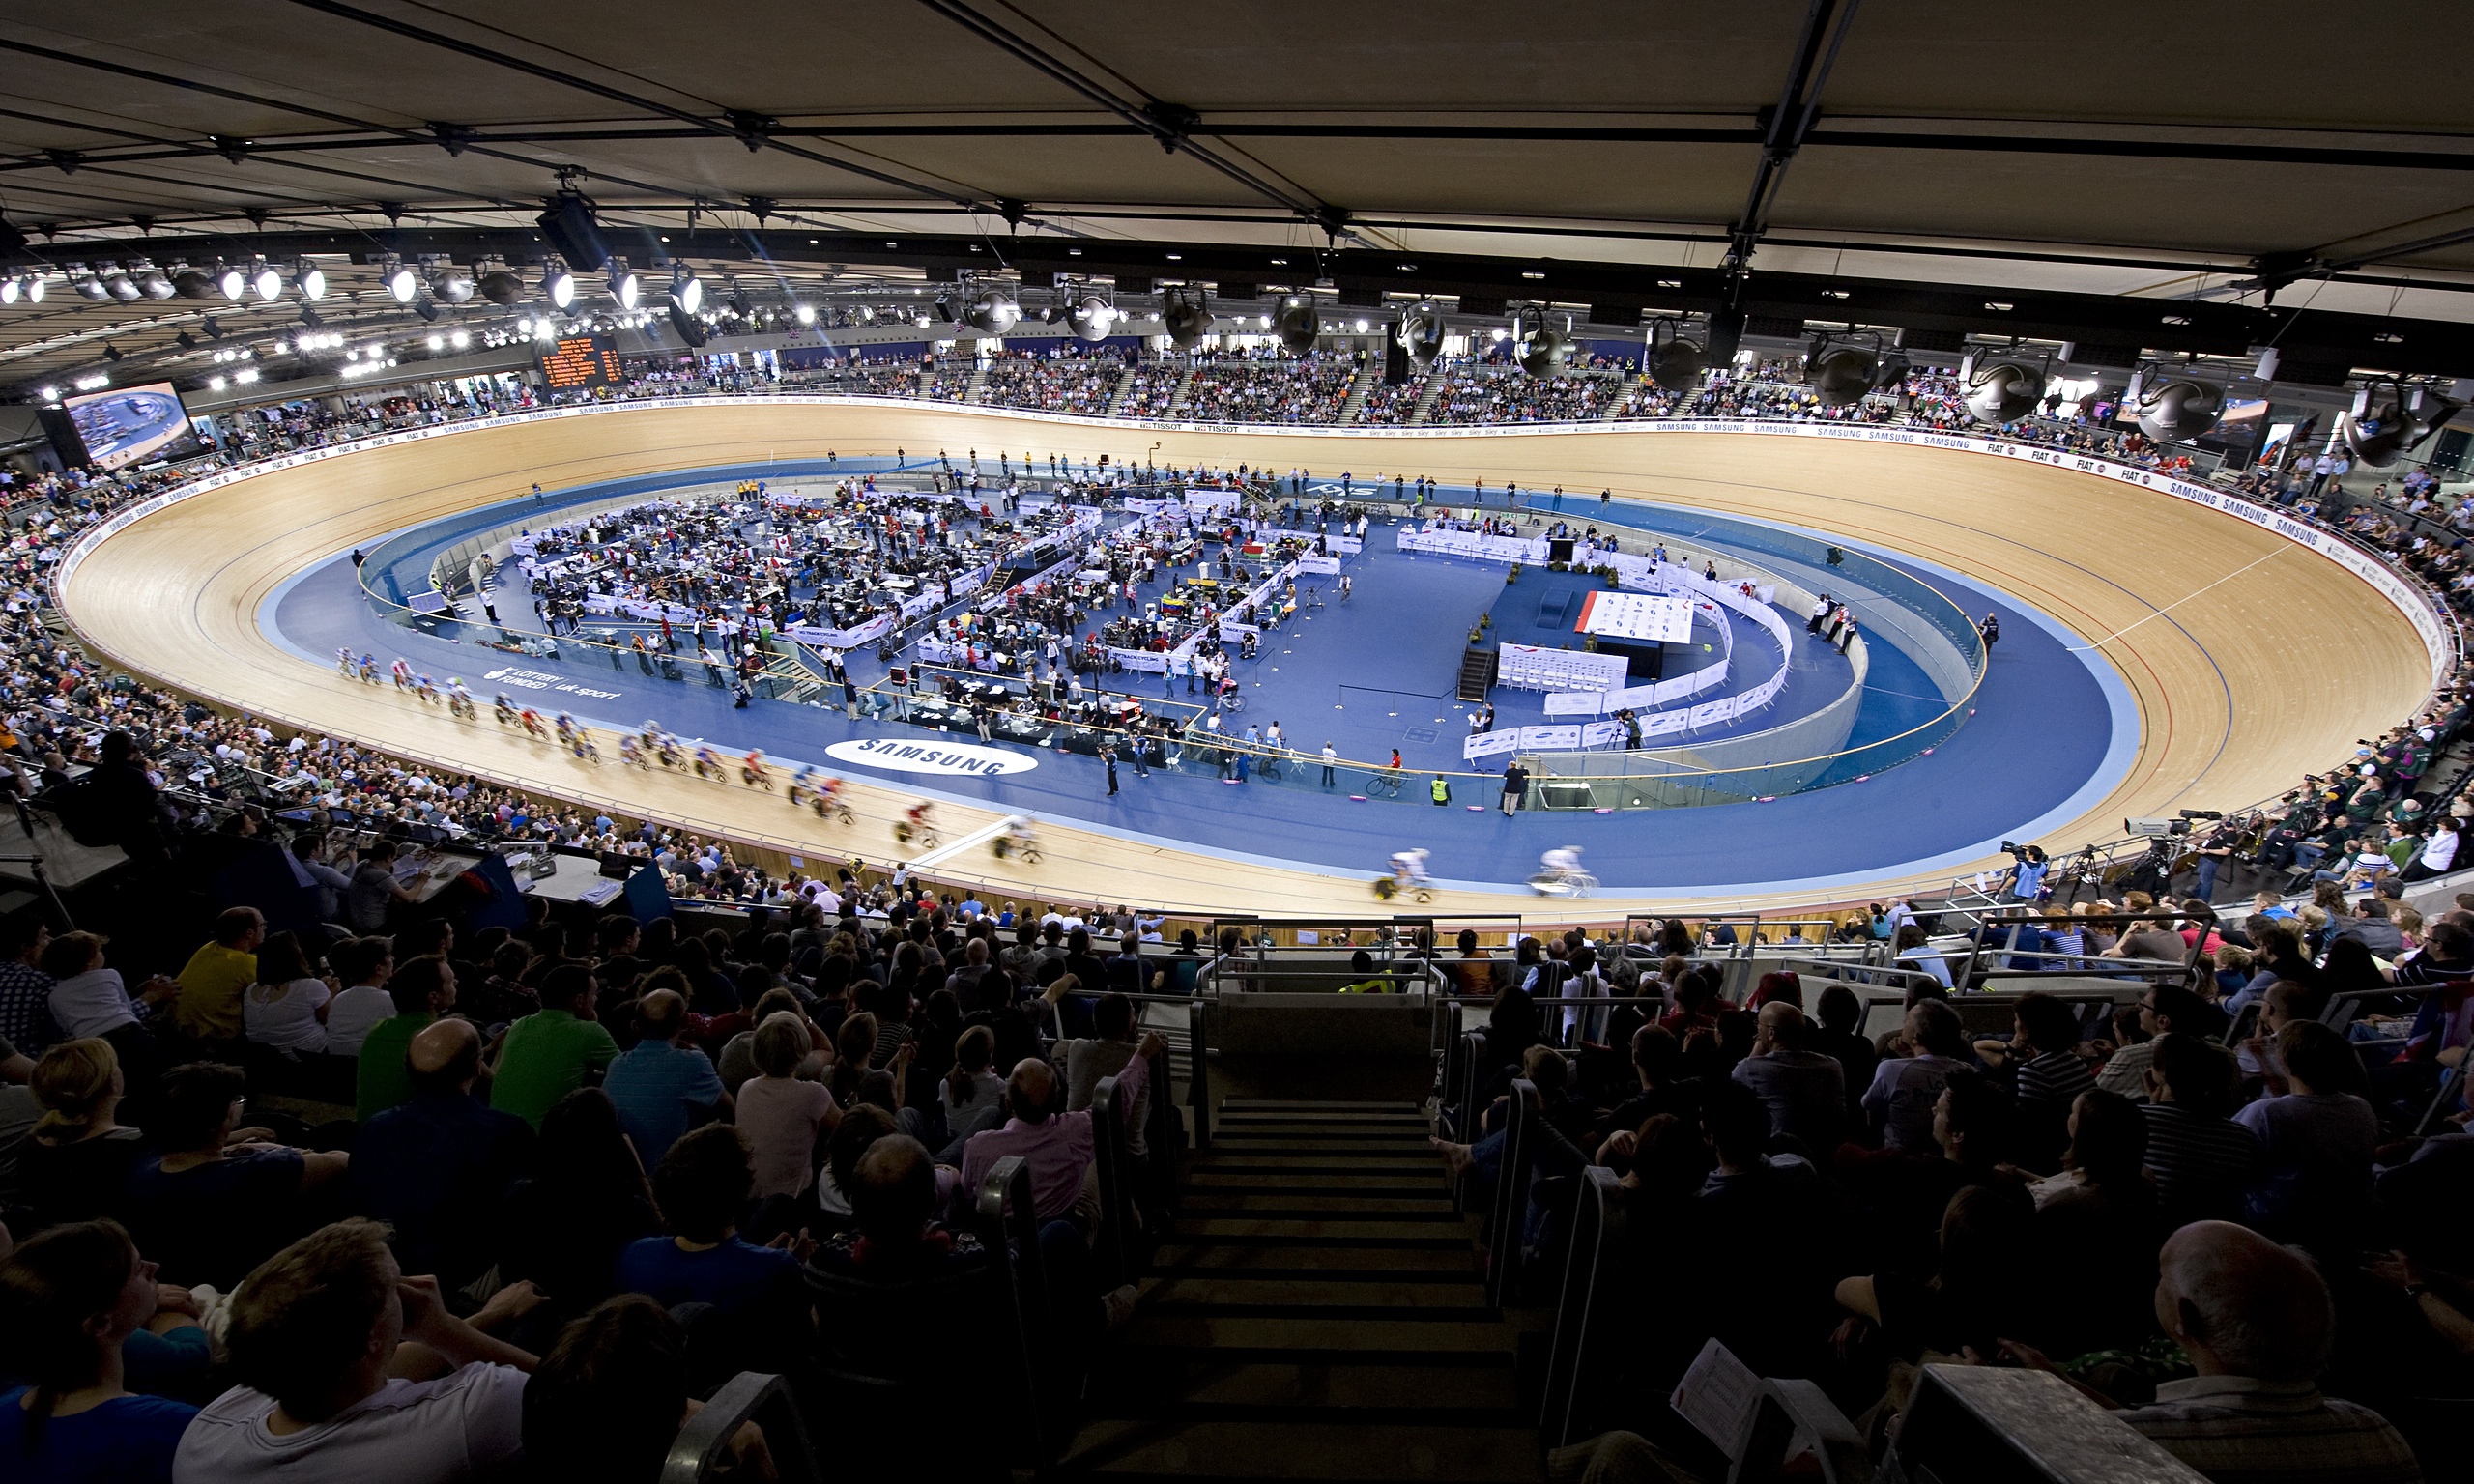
(1675, 365)
(1297, 323)
(2002, 389)
(2389, 417)
(1421, 333)
(1185, 316)
(2174, 410)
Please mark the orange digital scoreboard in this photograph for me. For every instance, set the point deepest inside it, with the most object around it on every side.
(580, 361)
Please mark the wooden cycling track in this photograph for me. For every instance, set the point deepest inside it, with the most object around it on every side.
(2267, 661)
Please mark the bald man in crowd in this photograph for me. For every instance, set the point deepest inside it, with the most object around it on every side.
(2256, 1320)
(1805, 1090)
(1056, 1143)
(438, 1167)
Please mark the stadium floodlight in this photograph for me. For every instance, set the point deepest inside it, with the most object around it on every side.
(403, 285)
(686, 295)
(188, 283)
(2002, 389)
(991, 311)
(558, 283)
(1421, 333)
(233, 282)
(1675, 364)
(2388, 417)
(1186, 316)
(35, 287)
(625, 286)
(268, 282)
(1540, 349)
(449, 284)
(499, 286)
(152, 282)
(123, 288)
(1294, 322)
(1842, 367)
(10, 290)
(2175, 408)
(89, 286)
(311, 280)
(805, 314)
(1090, 316)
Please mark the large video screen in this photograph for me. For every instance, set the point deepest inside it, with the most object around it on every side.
(580, 361)
(123, 426)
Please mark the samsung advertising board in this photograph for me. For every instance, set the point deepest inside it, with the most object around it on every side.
(127, 424)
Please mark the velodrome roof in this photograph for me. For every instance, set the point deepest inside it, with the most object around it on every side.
(2029, 150)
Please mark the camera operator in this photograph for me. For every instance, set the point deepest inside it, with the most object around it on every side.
(2027, 875)
(2215, 850)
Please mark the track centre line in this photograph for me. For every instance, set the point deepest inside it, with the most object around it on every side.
(2178, 602)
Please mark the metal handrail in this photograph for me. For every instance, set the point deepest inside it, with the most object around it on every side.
(1593, 1265)
(1508, 1215)
(750, 1396)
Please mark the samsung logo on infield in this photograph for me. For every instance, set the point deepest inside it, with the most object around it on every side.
(953, 759)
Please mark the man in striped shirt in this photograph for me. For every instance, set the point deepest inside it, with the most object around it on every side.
(2255, 1319)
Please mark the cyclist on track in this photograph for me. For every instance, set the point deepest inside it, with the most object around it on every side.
(1021, 835)
(753, 772)
(459, 701)
(917, 819)
(1409, 869)
(708, 763)
(505, 708)
(631, 751)
(531, 721)
(403, 675)
(566, 725)
(1558, 868)
(345, 665)
(369, 669)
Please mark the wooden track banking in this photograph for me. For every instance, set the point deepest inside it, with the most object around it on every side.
(2268, 662)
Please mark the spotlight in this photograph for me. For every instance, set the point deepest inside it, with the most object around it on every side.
(1295, 323)
(1185, 316)
(437, 342)
(805, 314)
(1421, 333)
(625, 286)
(10, 288)
(686, 293)
(1840, 371)
(682, 320)
(745, 307)
(188, 283)
(92, 287)
(560, 284)
(151, 283)
(2003, 389)
(2178, 410)
(2380, 427)
(311, 280)
(449, 284)
(268, 282)
(1675, 365)
(501, 287)
(991, 311)
(1540, 350)
(119, 286)
(460, 339)
(1090, 317)
(232, 282)
(34, 288)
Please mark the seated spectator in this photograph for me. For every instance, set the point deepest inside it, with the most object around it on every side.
(1974, 1298)
(1911, 1076)
(2164, 1008)
(215, 1201)
(701, 1188)
(2048, 1074)
(1836, 1034)
(348, 1369)
(423, 990)
(89, 1001)
(217, 976)
(1803, 1090)
(2317, 1143)
(1104, 1054)
(550, 1052)
(588, 1199)
(437, 1167)
(1749, 1207)
(2256, 1323)
(25, 989)
(781, 1114)
(69, 1300)
(286, 1009)
(363, 966)
(2099, 1216)
(374, 890)
(2203, 1161)
(608, 1399)
(663, 1085)
(74, 1165)
(894, 1233)
(972, 1095)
